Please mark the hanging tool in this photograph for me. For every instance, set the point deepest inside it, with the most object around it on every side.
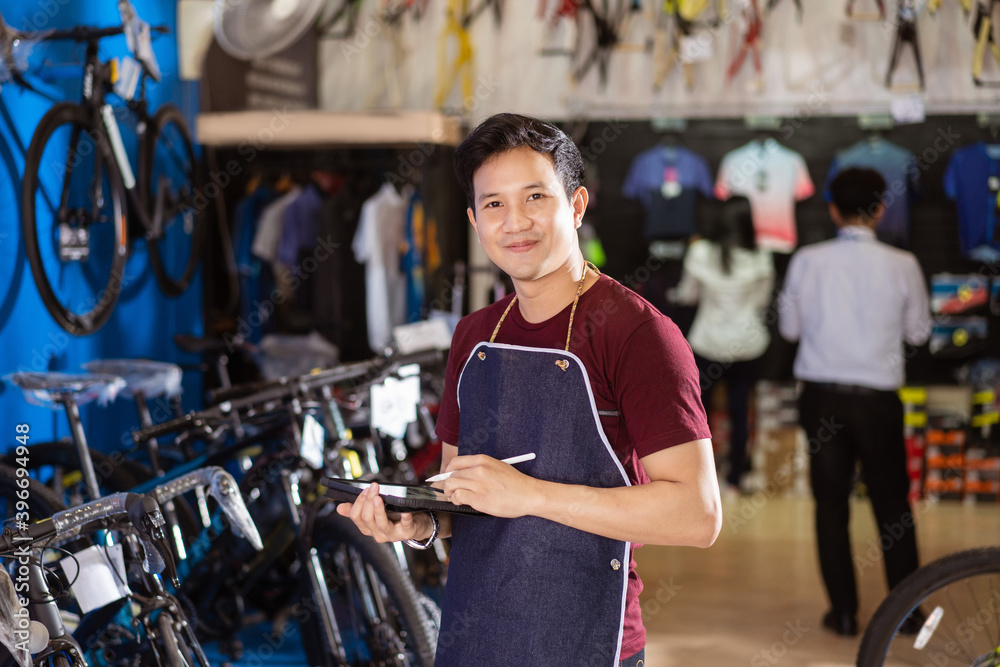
(609, 26)
(751, 41)
(983, 30)
(907, 13)
(461, 68)
(668, 43)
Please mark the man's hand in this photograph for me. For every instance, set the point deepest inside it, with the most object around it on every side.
(490, 485)
(368, 513)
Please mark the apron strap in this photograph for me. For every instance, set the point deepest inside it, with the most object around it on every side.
(572, 312)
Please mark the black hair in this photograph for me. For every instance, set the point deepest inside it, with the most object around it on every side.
(732, 227)
(506, 132)
(856, 193)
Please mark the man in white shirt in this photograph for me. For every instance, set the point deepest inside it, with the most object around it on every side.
(852, 303)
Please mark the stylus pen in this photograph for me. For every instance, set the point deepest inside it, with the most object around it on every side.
(512, 460)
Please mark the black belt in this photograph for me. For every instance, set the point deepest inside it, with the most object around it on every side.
(849, 389)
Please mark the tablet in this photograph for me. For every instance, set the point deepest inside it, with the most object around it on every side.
(397, 497)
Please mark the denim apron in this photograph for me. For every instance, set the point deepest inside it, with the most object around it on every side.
(529, 591)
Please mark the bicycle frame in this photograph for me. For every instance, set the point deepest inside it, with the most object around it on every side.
(96, 81)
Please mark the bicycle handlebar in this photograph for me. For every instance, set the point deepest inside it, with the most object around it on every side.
(89, 33)
(281, 390)
(290, 384)
(381, 363)
(142, 511)
(221, 486)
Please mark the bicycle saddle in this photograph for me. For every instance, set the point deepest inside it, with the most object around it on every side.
(51, 390)
(150, 378)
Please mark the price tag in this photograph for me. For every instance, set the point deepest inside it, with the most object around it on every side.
(394, 405)
(97, 584)
(313, 437)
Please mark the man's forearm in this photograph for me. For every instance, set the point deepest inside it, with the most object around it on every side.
(660, 512)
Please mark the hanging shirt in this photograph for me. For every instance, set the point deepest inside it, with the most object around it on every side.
(268, 236)
(899, 168)
(255, 279)
(300, 225)
(728, 325)
(851, 302)
(667, 182)
(972, 179)
(413, 258)
(773, 178)
(377, 244)
(338, 288)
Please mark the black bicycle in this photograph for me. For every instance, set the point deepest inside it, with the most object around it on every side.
(82, 203)
(169, 640)
(945, 613)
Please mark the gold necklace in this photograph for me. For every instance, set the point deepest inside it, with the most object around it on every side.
(572, 312)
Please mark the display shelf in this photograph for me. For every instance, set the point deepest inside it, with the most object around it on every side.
(944, 461)
(311, 128)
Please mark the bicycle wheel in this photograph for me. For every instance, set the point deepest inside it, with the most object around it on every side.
(74, 219)
(169, 179)
(57, 465)
(378, 612)
(960, 594)
(42, 501)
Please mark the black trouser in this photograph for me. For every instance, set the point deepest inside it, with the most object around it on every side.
(843, 428)
(740, 377)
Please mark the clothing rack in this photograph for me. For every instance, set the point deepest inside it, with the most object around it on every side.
(365, 167)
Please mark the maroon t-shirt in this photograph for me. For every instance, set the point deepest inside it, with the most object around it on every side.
(639, 365)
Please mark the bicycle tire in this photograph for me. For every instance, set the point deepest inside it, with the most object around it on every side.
(42, 501)
(12, 270)
(926, 587)
(92, 294)
(62, 454)
(333, 537)
(125, 475)
(187, 243)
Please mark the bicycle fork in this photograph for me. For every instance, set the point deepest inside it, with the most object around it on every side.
(42, 607)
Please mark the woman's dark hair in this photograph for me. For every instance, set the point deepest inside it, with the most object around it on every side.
(856, 193)
(506, 132)
(732, 227)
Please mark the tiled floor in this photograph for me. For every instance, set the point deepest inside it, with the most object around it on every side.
(756, 598)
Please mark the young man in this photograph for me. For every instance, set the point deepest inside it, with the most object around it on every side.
(599, 386)
(852, 302)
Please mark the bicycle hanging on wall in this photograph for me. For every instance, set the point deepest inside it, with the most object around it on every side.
(82, 201)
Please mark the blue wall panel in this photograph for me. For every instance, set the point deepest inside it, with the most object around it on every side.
(144, 320)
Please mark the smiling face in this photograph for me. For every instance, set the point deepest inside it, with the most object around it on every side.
(522, 217)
